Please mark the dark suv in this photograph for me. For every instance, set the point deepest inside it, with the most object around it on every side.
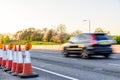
(88, 44)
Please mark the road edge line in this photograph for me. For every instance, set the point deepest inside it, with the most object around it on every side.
(51, 72)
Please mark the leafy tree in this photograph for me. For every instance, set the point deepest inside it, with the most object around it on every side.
(31, 38)
(47, 35)
(29, 34)
(66, 39)
(99, 30)
(61, 28)
(60, 38)
(1, 38)
(59, 34)
(117, 38)
(76, 32)
(6, 39)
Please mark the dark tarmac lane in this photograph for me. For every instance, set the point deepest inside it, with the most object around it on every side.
(51, 65)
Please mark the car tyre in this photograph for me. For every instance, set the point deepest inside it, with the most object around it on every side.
(65, 53)
(84, 54)
(107, 56)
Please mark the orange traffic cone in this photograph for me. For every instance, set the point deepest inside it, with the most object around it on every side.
(9, 61)
(10, 58)
(1, 53)
(19, 66)
(14, 63)
(4, 57)
(27, 67)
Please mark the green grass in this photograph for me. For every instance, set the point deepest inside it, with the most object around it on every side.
(44, 43)
(22, 42)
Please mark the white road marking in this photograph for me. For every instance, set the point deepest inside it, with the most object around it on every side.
(113, 64)
(51, 72)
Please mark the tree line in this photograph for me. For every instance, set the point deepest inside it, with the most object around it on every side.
(57, 35)
(47, 35)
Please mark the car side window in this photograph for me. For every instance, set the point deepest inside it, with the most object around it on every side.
(73, 40)
(78, 39)
(83, 38)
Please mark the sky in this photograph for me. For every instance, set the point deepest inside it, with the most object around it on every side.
(20, 14)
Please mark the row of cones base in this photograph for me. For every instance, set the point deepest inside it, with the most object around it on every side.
(22, 70)
(21, 75)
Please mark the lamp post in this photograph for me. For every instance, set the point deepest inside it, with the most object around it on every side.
(89, 22)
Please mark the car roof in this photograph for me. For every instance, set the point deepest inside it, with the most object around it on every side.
(94, 33)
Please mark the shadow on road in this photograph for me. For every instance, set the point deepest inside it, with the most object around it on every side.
(96, 58)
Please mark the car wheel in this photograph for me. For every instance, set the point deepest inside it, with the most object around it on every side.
(84, 54)
(65, 53)
(107, 56)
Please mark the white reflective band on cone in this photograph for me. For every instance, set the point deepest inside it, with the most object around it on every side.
(20, 57)
(4, 55)
(27, 57)
(1, 53)
(7, 54)
(10, 55)
(15, 58)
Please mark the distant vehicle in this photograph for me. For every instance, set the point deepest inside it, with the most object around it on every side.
(88, 44)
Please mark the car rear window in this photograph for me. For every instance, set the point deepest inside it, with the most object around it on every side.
(101, 37)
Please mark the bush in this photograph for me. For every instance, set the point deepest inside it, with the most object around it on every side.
(36, 43)
(22, 42)
(66, 39)
(117, 38)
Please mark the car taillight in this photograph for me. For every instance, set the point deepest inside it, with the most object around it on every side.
(93, 40)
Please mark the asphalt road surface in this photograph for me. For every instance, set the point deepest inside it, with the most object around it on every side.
(51, 65)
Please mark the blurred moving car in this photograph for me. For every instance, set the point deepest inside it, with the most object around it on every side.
(88, 44)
